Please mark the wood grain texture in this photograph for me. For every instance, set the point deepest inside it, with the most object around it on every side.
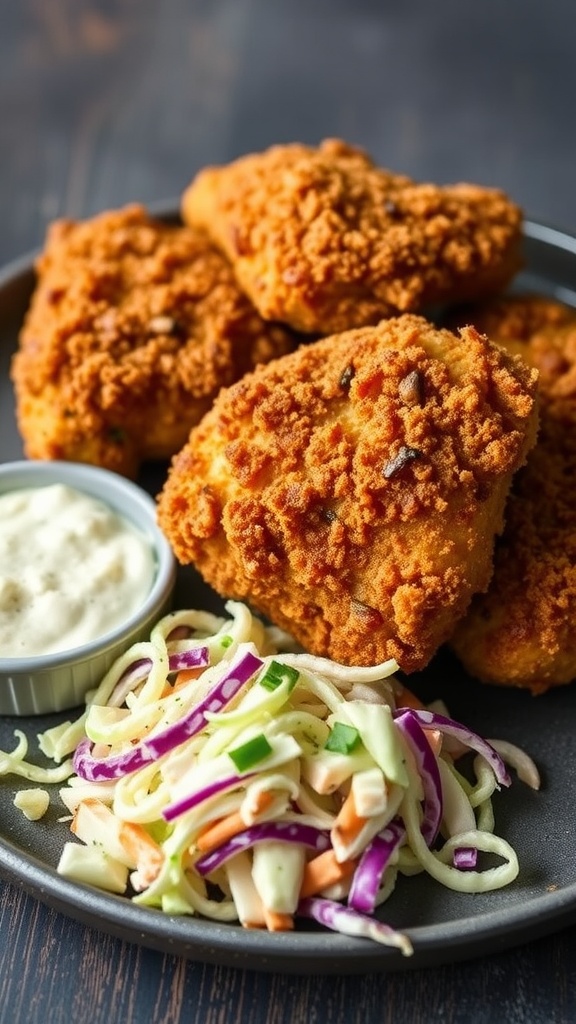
(53, 969)
(107, 101)
(103, 102)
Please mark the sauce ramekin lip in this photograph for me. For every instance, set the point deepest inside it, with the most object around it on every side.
(77, 666)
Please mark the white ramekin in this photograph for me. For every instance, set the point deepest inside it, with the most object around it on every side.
(53, 682)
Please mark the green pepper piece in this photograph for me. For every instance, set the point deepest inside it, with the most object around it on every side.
(250, 753)
(276, 673)
(343, 739)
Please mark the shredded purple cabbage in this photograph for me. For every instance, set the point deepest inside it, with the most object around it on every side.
(349, 922)
(465, 858)
(428, 771)
(433, 720)
(114, 767)
(196, 657)
(186, 803)
(283, 831)
(372, 865)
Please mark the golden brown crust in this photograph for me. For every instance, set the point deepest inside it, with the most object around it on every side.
(514, 321)
(324, 240)
(133, 328)
(351, 491)
(521, 632)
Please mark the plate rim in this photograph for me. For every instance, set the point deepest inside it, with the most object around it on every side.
(299, 952)
(23, 264)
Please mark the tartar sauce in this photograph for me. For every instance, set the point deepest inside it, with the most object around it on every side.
(71, 569)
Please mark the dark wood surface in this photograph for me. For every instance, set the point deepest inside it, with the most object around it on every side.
(107, 101)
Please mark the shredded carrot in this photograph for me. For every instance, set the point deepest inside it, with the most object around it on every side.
(146, 852)
(93, 805)
(323, 871)
(406, 699)
(276, 922)
(185, 675)
(182, 679)
(348, 822)
(434, 737)
(217, 832)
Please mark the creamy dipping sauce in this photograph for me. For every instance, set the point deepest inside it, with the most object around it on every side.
(71, 569)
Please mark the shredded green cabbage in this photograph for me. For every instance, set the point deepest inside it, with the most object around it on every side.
(241, 792)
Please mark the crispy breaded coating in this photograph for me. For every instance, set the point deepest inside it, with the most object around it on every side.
(515, 321)
(324, 240)
(351, 491)
(133, 328)
(521, 632)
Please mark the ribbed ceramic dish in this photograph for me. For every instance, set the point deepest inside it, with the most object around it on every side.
(55, 682)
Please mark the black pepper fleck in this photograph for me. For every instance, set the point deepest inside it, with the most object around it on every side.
(329, 515)
(411, 389)
(347, 377)
(371, 617)
(116, 435)
(405, 455)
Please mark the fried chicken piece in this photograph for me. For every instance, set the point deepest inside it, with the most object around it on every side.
(133, 328)
(521, 632)
(351, 491)
(516, 322)
(324, 240)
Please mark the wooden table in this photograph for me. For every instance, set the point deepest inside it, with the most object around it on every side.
(102, 103)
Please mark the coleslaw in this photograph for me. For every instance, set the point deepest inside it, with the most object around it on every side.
(219, 771)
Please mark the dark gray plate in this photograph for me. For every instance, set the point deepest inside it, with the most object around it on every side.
(444, 926)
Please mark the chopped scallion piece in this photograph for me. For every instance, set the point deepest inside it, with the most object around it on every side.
(250, 753)
(225, 641)
(276, 673)
(343, 739)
